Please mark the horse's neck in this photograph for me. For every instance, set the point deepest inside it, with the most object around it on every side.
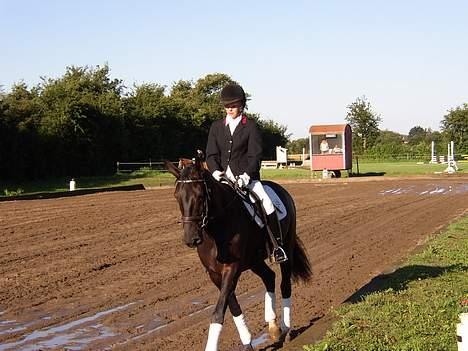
(223, 199)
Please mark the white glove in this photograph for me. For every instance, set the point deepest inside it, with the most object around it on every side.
(243, 180)
(217, 175)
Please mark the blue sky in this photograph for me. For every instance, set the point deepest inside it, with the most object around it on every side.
(303, 62)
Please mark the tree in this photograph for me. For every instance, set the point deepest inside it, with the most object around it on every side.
(455, 127)
(82, 121)
(416, 135)
(144, 115)
(365, 124)
(273, 135)
(205, 98)
(296, 146)
(19, 142)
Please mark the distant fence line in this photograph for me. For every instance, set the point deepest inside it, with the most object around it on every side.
(123, 167)
(127, 167)
(403, 157)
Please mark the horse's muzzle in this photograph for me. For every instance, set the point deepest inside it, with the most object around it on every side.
(192, 236)
(194, 242)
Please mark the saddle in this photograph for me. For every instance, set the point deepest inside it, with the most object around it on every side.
(253, 204)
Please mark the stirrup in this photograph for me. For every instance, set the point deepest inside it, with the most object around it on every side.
(279, 256)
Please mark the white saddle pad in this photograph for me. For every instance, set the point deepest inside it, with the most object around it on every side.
(279, 205)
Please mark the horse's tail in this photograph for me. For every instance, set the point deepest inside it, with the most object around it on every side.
(301, 269)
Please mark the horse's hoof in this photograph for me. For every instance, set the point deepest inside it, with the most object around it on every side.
(285, 335)
(274, 331)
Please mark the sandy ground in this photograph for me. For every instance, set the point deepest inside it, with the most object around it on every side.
(110, 271)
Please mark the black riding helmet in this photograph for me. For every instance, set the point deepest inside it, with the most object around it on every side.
(232, 93)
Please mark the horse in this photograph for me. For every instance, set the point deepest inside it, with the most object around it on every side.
(228, 241)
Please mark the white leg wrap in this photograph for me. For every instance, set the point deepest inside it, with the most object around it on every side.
(286, 320)
(270, 302)
(213, 337)
(244, 333)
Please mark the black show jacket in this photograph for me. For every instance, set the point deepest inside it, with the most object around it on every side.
(242, 151)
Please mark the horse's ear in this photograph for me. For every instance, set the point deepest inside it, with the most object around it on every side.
(172, 169)
(184, 162)
(200, 155)
(200, 160)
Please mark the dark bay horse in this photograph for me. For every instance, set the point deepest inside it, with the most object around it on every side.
(229, 242)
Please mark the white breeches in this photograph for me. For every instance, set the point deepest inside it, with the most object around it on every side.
(257, 187)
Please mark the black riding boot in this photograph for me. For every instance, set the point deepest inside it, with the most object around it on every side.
(278, 253)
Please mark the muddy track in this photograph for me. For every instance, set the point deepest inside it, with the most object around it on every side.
(109, 271)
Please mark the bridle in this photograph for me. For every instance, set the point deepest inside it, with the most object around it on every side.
(203, 217)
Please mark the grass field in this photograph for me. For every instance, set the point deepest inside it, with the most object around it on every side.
(151, 178)
(415, 308)
(145, 177)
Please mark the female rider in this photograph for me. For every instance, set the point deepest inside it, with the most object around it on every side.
(234, 149)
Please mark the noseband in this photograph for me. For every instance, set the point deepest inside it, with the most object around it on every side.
(203, 217)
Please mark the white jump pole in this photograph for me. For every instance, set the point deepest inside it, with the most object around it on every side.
(451, 165)
(462, 332)
(72, 185)
(310, 151)
(433, 156)
(448, 154)
(453, 153)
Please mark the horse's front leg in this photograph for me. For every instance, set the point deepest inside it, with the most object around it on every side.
(239, 320)
(227, 284)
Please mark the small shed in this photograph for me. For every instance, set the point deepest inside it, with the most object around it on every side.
(330, 147)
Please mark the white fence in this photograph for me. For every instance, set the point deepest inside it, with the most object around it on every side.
(127, 167)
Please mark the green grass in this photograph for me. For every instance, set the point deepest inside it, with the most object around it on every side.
(415, 308)
(388, 168)
(145, 177)
(150, 178)
(289, 173)
(404, 168)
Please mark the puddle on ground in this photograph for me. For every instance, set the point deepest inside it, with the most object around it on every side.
(81, 333)
(158, 324)
(428, 190)
(199, 311)
(259, 340)
(74, 335)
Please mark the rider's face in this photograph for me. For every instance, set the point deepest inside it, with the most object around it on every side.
(233, 110)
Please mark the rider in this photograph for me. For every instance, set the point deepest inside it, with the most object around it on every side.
(234, 149)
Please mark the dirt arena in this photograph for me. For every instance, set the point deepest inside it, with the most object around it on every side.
(110, 271)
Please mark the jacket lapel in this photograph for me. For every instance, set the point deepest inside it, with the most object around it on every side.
(227, 132)
(240, 126)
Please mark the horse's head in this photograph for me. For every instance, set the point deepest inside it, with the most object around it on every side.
(191, 194)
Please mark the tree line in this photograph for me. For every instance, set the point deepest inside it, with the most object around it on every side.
(369, 140)
(82, 123)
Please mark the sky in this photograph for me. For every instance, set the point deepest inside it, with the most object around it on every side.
(302, 62)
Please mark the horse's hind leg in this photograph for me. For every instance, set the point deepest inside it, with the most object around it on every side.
(286, 298)
(268, 278)
(239, 320)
